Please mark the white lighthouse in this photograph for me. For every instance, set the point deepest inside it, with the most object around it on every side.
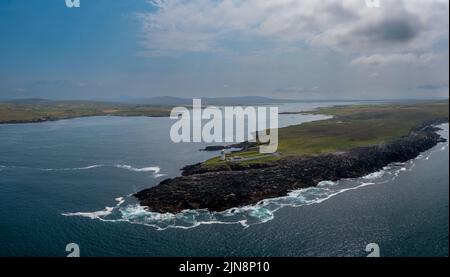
(223, 156)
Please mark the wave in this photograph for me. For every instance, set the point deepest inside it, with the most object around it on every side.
(98, 214)
(72, 168)
(127, 210)
(374, 175)
(92, 215)
(155, 169)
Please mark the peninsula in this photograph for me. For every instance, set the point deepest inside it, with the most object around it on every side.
(358, 140)
(41, 110)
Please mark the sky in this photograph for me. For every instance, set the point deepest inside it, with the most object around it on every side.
(293, 49)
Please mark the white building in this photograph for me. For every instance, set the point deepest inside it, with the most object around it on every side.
(223, 156)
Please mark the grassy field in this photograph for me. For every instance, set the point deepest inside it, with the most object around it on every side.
(43, 110)
(351, 126)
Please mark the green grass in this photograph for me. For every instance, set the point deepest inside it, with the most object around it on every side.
(43, 110)
(351, 126)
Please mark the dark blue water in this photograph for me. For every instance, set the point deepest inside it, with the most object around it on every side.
(52, 170)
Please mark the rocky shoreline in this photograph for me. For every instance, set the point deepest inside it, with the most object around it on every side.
(234, 186)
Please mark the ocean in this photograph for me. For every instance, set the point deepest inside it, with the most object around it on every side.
(71, 181)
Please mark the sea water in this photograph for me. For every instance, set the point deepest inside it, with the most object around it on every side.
(71, 181)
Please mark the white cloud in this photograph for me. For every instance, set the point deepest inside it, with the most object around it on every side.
(82, 84)
(180, 26)
(403, 58)
(289, 46)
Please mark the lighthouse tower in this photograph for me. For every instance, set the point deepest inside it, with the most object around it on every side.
(223, 156)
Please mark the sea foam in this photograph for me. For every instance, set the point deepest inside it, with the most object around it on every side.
(73, 168)
(127, 210)
(154, 169)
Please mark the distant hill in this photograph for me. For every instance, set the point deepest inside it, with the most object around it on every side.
(177, 101)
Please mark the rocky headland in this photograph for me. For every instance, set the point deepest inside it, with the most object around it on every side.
(233, 185)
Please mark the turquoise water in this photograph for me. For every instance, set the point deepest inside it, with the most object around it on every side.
(70, 181)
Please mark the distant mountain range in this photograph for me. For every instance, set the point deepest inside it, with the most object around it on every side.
(235, 101)
(163, 101)
(177, 101)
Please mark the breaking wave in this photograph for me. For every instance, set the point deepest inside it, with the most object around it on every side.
(154, 169)
(72, 168)
(128, 210)
(98, 214)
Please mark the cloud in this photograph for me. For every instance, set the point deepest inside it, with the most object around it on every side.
(18, 90)
(59, 83)
(391, 31)
(180, 26)
(403, 58)
(50, 83)
(433, 86)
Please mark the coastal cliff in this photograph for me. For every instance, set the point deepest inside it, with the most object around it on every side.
(224, 188)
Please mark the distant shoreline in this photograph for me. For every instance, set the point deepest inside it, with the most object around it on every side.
(42, 110)
(75, 117)
(38, 111)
